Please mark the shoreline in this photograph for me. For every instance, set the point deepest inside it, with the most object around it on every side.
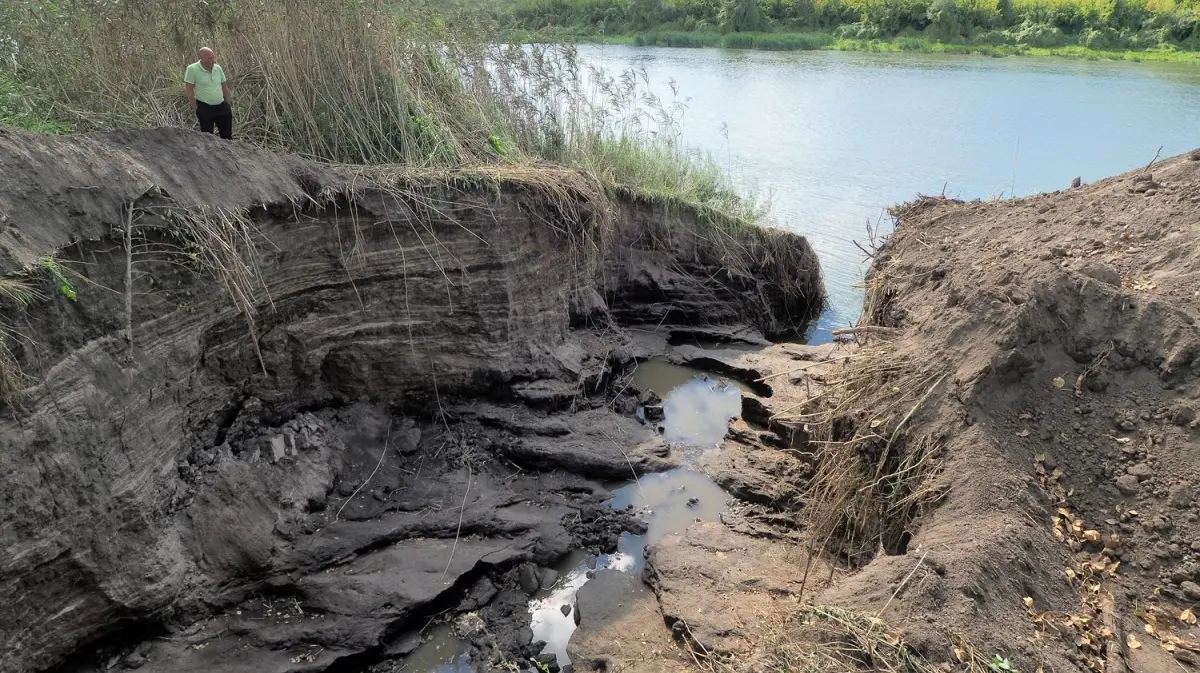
(817, 41)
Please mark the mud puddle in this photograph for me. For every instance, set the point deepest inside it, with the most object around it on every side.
(673, 501)
(442, 651)
(661, 377)
(696, 409)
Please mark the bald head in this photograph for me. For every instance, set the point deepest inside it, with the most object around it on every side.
(207, 58)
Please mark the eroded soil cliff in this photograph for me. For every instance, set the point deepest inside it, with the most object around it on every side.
(1038, 482)
(265, 415)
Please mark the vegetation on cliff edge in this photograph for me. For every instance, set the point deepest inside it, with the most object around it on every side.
(355, 82)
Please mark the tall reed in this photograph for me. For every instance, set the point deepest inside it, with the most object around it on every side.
(359, 82)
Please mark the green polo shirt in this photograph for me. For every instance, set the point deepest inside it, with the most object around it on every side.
(208, 84)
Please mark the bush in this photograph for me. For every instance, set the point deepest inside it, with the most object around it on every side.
(1038, 35)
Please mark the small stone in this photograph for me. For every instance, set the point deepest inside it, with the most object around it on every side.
(1191, 590)
(134, 660)
(1185, 656)
(1127, 425)
(1127, 484)
(1180, 496)
(527, 576)
(1058, 251)
(548, 662)
(1077, 182)
(565, 609)
(693, 502)
(1183, 415)
(1194, 155)
(1142, 471)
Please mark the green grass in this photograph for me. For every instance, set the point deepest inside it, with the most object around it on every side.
(18, 110)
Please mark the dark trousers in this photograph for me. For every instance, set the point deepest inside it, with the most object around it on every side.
(220, 116)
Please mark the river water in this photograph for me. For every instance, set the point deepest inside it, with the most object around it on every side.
(835, 137)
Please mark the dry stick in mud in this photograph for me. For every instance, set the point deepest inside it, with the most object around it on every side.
(802, 368)
(1156, 153)
(636, 479)
(458, 532)
(129, 283)
(383, 454)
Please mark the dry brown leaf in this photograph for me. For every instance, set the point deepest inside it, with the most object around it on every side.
(1029, 602)
(960, 654)
(1132, 641)
(1188, 617)
(1091, 535)
(1059, 382)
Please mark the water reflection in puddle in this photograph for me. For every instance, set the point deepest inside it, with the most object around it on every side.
(697, 409)
(674, 500)
(661, 377)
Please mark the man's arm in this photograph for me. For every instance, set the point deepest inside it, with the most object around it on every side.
(190, 90)
(225, 91)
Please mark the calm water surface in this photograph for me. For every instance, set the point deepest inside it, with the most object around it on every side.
(833, 138)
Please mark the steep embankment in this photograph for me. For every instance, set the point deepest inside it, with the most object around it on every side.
(266, 415)
(1020, 432)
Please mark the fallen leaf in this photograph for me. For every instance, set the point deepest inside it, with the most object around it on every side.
(1188, 617)
(876, 423)
(1091, 535)
(1132, 641)
(1059, 382)
(960, 654)
(1023, 433)
(1029, 602)
(1041, 457)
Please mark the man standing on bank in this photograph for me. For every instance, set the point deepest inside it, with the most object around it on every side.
(208, 91)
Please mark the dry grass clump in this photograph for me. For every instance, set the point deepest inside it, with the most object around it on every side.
(825, 639)
(874, 467)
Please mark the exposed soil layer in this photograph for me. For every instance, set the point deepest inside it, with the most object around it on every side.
(1065, 427)
(312, 410)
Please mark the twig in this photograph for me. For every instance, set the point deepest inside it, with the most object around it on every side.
(802, 368)
(901, 586)
(382, 455)
(637, 480)
(461, 509)
(864, 329)
(129, 283)
(1153, 160)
